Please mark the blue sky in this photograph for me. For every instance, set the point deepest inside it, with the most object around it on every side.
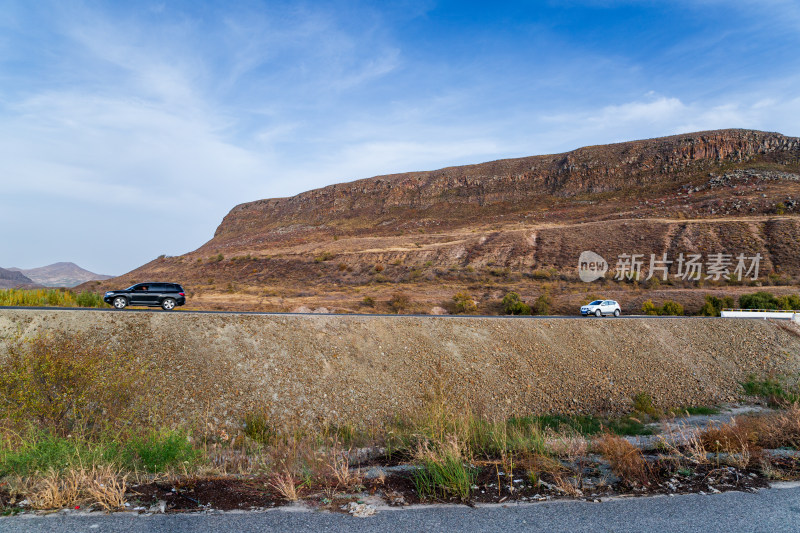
(129, 129)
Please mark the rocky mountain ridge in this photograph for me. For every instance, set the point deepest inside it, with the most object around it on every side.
(452, 194)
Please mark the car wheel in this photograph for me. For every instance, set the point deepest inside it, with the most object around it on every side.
(168, 304)
(120, 302)
(616, 312)
(598, 313)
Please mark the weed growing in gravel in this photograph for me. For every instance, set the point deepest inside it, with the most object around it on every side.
(158, 452)
(772, 390)
(443, 472)
(586, 425)
(258, 428)
(643, 404)
(286, 485)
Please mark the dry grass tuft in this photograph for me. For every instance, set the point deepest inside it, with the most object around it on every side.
(737, 439)
(100, 486)
(339, 466)
(692, 448)
(106, 488)
(55, 491)
(728, 438)
(286, 485)
(626, 459)
(777, 430)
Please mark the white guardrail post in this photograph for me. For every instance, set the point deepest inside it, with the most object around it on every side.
(761, 313)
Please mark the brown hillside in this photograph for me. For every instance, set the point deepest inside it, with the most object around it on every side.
(516, 224)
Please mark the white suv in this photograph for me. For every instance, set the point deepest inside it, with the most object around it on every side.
(601, 307)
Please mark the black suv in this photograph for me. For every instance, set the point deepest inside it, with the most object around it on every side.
(164, 295)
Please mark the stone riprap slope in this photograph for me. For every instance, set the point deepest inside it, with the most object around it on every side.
(364, 369)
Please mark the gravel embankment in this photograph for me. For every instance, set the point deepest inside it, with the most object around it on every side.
(306, 369)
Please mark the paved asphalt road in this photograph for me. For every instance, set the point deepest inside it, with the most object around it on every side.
(769, 510)
(499, 317)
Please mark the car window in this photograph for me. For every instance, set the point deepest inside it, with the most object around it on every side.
(596, 302)
(158, 287)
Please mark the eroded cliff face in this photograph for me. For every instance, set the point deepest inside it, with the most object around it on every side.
(512, 183)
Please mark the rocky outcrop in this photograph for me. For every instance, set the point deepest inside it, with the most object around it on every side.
(511, 182)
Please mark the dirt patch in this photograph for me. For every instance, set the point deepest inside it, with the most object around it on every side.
(491, 486)
(222, 493)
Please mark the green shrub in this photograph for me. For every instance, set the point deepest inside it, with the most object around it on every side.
(43, 452)
(464, 304)
(368, 301)
(671, 308)
(542, 305)
(714, 306)
(64, 382)
(324, 256)
(89, 299)
(399, 302)
(513, 305)
(758, 300)
(649, 308)
(586, 424)
(789, 302)
(668, 308)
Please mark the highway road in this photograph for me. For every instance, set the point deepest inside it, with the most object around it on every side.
(769, 510)
(181, 311)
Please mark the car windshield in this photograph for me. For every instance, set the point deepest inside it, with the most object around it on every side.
(596, 302)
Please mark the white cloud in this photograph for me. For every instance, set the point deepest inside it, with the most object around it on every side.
(656, 115)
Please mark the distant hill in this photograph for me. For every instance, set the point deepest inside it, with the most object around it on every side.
(11, 279)
(62, 274)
